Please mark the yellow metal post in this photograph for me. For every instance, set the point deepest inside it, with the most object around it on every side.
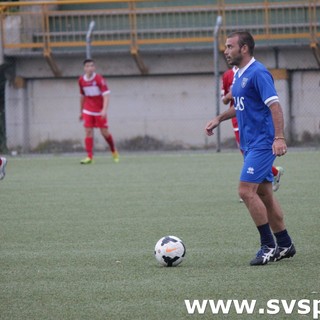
(46, 48)
(314, 45)
(133, 37)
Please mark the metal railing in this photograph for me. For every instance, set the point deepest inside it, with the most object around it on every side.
(47, 26)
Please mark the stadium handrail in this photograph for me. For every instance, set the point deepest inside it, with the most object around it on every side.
(35, 26)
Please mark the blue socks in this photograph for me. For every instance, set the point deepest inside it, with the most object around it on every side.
(266, 236)
(267, 239)
(283, 238)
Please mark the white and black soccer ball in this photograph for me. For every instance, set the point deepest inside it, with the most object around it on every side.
(170, 251)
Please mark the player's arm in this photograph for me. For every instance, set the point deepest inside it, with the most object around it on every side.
(81, 106)
(105, 95)
(279, 146)
(215, 122)
(226, 99)
(106, 98)
(226, 95)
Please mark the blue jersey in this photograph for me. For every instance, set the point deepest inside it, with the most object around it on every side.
(251, 91)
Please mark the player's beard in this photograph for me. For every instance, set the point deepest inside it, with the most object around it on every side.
(236, 60)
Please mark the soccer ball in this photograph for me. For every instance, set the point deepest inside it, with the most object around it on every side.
(170, 251)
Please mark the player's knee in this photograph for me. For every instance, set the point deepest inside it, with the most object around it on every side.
(105, 132)
(246, 194)
(89, 133)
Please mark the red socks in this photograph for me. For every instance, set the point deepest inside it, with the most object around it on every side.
(274, 171)
(110, 143)
(88, 141)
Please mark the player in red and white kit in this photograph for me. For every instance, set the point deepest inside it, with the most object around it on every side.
(94, 103)
(226, 97)
(3, 163)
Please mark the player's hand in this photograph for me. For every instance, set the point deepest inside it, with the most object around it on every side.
(81, 117)
(279, 147)
(229, 96)
(103, 114)
(211, 125)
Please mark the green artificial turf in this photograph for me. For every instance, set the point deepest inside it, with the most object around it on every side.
(77, 241)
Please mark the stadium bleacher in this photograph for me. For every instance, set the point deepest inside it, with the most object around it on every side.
(60, 26)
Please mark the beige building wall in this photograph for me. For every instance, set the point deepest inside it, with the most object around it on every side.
(172, 103)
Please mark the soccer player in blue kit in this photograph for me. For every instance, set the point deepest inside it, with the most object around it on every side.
(261, 127)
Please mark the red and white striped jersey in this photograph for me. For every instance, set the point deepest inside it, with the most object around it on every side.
(227, 81)
(93, 90)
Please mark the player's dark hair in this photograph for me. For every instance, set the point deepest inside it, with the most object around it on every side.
(245, 38)
(87, 60)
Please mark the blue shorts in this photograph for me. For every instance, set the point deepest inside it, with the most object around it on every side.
(257, 166)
